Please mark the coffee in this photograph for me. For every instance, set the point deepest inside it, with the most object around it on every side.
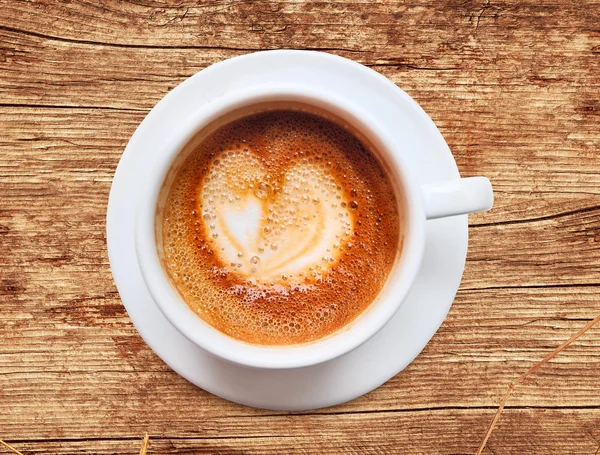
(279, 228)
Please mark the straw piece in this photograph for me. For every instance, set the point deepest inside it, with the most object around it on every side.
(145, 443)
(9, 447)
(529, 372)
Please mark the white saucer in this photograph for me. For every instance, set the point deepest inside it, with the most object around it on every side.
(384, 355)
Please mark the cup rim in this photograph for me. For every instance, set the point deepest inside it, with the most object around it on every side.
(349, 337)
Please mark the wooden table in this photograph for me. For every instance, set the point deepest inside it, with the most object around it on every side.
(513, 86)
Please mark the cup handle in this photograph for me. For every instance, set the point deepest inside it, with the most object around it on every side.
(457, 197)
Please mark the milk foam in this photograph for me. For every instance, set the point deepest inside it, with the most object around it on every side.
(274, 230)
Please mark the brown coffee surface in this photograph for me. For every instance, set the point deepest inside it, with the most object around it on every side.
(280, 228)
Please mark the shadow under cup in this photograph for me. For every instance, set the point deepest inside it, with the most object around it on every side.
(350, 336)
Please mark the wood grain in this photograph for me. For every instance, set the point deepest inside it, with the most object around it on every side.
(513, 86)
(383, 433)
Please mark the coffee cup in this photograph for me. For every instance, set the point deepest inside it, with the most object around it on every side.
(418, 204)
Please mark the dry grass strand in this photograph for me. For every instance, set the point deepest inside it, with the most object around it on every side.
(529, 372)
(145, 443)
(9, 447)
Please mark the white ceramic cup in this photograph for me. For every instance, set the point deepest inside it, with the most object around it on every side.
(417, 204)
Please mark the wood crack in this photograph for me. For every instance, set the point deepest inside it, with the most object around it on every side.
(82, 372)
(167, 46)
(67, 106)
(120, 45)
(480, 15)
(536, 219)
(413, 67)
(533, 286)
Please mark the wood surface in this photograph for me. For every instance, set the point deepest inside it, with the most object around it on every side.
(514, 87)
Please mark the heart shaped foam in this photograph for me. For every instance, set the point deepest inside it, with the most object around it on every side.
(273, 229)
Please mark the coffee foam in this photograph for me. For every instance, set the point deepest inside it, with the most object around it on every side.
(274, 229)
(280, 228)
